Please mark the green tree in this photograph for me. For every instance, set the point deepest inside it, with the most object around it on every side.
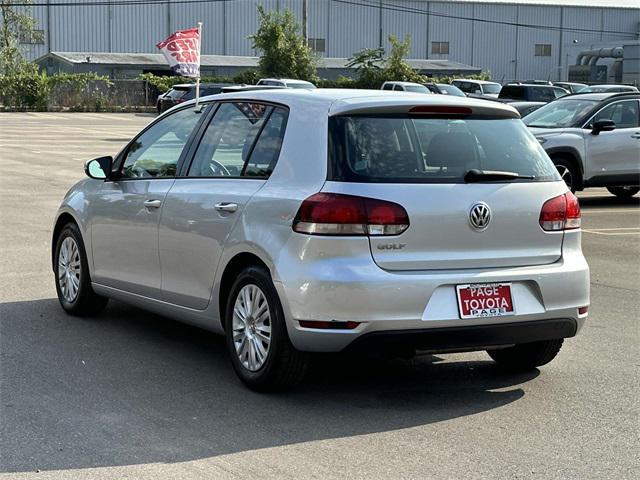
(396, 67)
(16, 23)
(368, 64)
(283, 50)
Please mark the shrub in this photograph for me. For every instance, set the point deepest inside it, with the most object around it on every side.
(26, 88)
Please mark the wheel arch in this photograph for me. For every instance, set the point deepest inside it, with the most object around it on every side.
(236, 264)
(63, 219)
(573, 156)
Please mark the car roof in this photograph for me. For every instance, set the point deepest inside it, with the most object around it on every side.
(404, 83)
(601, 96)
(339, 101)
(521, 84)
(287, 80)
(610, 85)
(474, 81)
(184, 85)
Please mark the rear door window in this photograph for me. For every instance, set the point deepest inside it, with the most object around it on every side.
(401, 149)
(542, 94)
(243, 139)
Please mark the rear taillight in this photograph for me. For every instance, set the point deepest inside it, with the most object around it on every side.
(560, 213)
(340, 214)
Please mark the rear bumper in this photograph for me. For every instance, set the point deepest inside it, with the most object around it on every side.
(338, 281)
(467, 337)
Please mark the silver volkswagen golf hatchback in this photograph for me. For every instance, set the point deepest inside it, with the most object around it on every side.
(332, 220)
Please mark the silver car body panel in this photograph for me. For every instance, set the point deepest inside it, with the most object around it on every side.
(317, 278)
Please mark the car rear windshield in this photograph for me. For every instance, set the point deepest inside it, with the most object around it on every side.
(402, 149)
(491, 88)
(177, 93)
(513, 91)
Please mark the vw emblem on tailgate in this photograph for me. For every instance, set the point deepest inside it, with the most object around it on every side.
(480, 216)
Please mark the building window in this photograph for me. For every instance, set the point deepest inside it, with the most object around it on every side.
(316, 44)
(440, 48)
(34, 37)
(543, 49)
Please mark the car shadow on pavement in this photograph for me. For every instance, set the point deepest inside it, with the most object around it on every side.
(129, 387)
(609, 201)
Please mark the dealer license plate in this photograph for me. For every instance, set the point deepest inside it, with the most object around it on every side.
(484, 300)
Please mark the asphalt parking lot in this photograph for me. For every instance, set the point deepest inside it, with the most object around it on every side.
(129, 394)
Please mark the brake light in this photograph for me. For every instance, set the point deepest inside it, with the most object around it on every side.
(340, 214)
(560, 213)
(441, 109)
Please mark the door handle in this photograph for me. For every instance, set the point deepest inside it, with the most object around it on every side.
(152, 203)
(635, 135)
(226, 207)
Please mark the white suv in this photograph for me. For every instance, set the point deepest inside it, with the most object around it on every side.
(405, 87)
(593, 139)
(478, 88)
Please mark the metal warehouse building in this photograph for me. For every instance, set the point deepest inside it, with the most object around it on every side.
(514, 39)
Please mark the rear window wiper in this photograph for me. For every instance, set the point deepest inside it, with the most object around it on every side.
(475, 175)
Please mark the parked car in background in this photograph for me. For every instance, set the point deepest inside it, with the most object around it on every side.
(285, 82)
(530, 93)
(250, 88)
(525, 108)
(405, 87)
(571, 87)
(477, 88)
(593, 139)
(445, 89)
(185, 91)
(458, 235)
(536, 82)
(608, 88)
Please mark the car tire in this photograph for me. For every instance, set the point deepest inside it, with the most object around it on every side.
(623, 192)
(568, 171)
(257, 340)
(526, 356)
(71, 271)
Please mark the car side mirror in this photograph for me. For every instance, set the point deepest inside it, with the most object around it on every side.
(98, 168)
(602, 126)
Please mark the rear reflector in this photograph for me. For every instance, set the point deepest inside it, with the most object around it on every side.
(583, 310)
(340, 214)
(560, 213)
(323, 325)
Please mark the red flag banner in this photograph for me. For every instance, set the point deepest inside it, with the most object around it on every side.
(182, 51)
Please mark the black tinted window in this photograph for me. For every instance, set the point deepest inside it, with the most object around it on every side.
(542, 94)
(264, 155)
(513, 92)
(427, 150)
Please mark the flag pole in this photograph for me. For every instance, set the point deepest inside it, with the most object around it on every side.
(198, 77)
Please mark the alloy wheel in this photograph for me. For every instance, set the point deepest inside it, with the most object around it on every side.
(566, 175)
(251, 326)
(69, 269)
